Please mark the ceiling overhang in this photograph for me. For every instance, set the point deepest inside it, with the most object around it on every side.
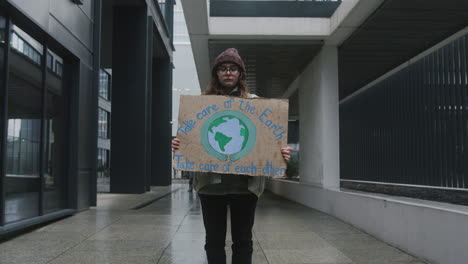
(397, 31)
(271, 65)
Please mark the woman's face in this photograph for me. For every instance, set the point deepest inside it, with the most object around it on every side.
(228, 75)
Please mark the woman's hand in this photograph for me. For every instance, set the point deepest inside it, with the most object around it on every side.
(286, 152)
(175, 144)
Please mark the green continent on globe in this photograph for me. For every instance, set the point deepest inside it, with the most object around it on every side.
(222, 140)
(245, 133)
(218, 122)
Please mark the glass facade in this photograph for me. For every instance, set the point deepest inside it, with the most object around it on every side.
(23, 47)
(55, 125)
(104, 84)
(103, 151)
(24, 115)
(162, 6)
(103, 170)
(181, 35)
(3, 123)
(103, 123)
(36, 117)
(167, 10)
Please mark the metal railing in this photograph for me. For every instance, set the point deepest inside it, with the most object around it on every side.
(411, 128)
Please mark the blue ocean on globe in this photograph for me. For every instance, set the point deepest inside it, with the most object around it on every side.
(227, 135)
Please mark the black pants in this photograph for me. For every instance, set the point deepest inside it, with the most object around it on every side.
(242, 210)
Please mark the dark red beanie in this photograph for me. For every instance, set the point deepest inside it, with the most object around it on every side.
(230, 55)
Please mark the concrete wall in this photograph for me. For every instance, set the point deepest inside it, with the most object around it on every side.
(433, 231)
(319, 121)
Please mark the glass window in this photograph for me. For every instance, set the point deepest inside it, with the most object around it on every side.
(2, 98)
(181, 35)
(29, 131)
(24, 113)
(162, 6)
(103, 123)
(58, 68)
(2, 30)
(49, 60)
(55, 180)
(22, 43)
(2, 48)
(104, 84)
(103, 170)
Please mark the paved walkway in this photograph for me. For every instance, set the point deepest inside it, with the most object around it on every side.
(170, 230)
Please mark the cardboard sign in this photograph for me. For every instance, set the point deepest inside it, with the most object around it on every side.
(232, 135)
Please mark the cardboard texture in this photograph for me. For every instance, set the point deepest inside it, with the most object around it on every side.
(232, 135)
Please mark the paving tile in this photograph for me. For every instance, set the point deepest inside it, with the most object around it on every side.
(175, 256)
(171, 231)
(189, 235)
(150, 220)
(379, 255)
(64, 237)
(290, 240)
(99, 257)
(390, 262)
(123, 247)
(319, 255)
(143, 232)
(27, 256)
(281, 228)
(33, 250)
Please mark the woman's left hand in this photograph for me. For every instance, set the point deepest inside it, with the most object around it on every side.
(286, 152)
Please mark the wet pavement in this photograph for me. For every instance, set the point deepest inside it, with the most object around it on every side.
(170, 230)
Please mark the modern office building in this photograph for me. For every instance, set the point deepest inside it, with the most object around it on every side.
(381, 94)
(104, 130)
(56, 57)
(185, 79)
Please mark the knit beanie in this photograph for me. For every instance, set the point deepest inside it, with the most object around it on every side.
(230, 55)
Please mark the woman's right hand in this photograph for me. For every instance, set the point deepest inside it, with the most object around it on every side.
(175, 144)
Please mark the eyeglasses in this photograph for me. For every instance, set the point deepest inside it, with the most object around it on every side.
(232, 69)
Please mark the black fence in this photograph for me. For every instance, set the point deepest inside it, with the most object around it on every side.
(411, 128)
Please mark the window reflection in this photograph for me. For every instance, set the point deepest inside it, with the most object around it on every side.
(2, 46)
(55, 124)
(20, 45)
(54, 63)
(162, 6)
(181, 35)
(104, 84)
(103, 170)
(2, 28)
(103, 123)
(25, 96)
(23, 142)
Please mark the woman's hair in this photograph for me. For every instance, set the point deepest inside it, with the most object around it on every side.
(215, 88)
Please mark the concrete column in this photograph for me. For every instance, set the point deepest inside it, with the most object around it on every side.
(129, 126)
(319, 121)
(161, 123)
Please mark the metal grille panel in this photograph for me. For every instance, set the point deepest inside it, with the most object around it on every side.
(411, 128)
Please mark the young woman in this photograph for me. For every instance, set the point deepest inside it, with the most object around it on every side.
(217, 192)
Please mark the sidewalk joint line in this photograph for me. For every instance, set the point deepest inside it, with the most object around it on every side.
(142, 205)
